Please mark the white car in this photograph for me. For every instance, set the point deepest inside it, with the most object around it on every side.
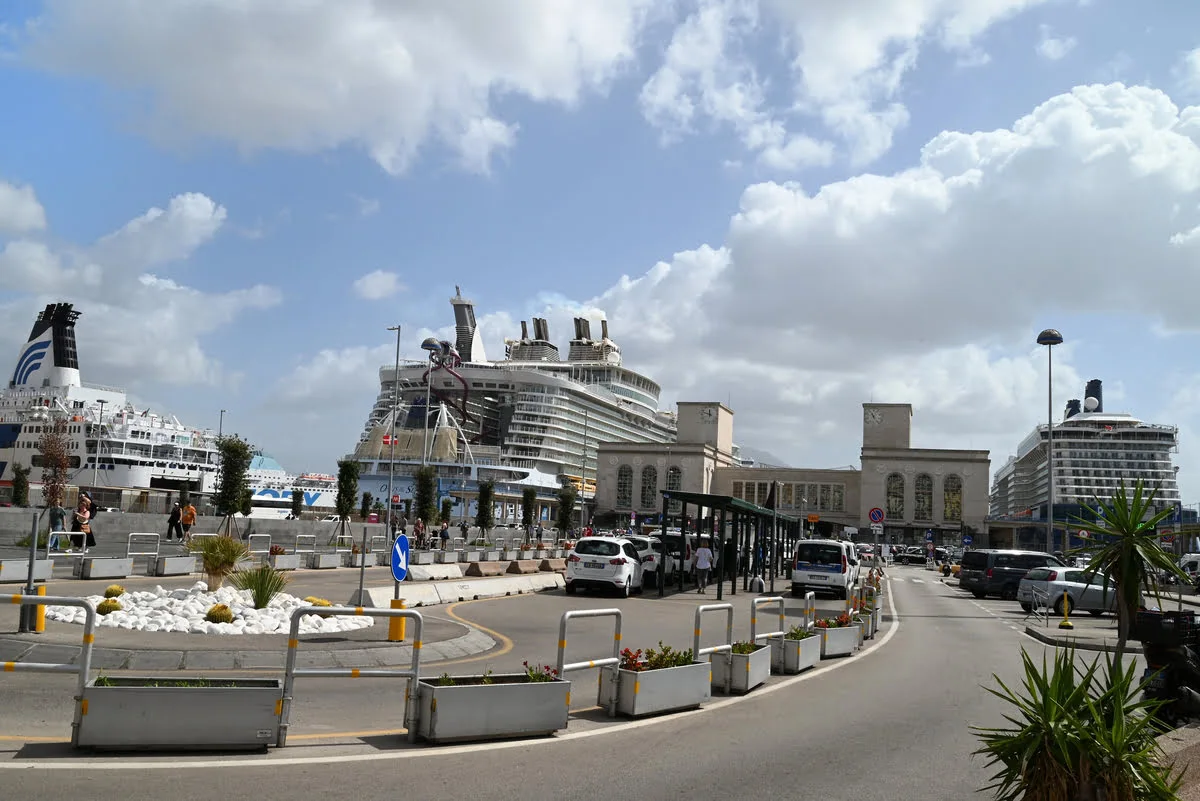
(602, 563)
(825, 566)
(648, 549)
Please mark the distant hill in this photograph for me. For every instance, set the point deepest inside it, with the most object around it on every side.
(763, 458)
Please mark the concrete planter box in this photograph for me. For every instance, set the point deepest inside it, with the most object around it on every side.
(510, 707)
(135, 715)
(421, 557)
(324, 561)
(839, 642)
(650, 692)
(18, 569)
(510, 555)
(175, 565)
(473, 556)
(489, 556)
(285, 561)
(253, 563)
(795, 656)
(448, 557)
(357, 559)
(383, 558)
(746, 672)
(541, 553)
(92, 567)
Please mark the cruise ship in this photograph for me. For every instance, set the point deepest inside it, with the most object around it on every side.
(1094, 450)
(531, 419)
(114, 446)
(271, 489)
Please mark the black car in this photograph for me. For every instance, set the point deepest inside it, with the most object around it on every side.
(999, 572)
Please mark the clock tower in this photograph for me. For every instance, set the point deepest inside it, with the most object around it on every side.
(706, 423)
(887, 425)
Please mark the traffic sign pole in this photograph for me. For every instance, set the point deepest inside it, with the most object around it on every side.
(362, 597)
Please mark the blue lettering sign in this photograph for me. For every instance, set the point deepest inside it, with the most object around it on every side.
(311, 497)
(266, 493)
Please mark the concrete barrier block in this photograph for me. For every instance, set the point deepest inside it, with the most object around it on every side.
(106, 567)
(448, 557)
(553, 566)
(473, 556)
(174, 565)
(434, 572)
(481, 569)
(421, 557)
(414, 594)
(324, 561)
(16, 570)
(522, 566)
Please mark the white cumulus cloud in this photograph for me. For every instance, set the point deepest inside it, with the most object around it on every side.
(20, 211)
(378, 285)
(1054, 47)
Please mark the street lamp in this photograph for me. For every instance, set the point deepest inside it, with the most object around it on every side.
(221, 425)
(434, 347)
(392, 438)
(1050, 337)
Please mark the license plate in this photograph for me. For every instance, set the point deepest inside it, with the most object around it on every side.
(818, 577)
(594, 565)
(1155, 680)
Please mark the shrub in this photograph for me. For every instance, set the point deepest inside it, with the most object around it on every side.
(660, 658)
(799, 633)
(539, 673)
(219, 613)
(108, 605)
(264, 583)
(745, 647)
(114, 591)
(278, 550)
(218, 556)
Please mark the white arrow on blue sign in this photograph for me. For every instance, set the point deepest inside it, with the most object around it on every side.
(967, 540)
(400, 558)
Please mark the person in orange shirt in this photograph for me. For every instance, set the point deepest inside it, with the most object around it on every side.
(187, 518)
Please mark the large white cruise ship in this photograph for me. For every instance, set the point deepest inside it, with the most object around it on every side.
(531, 419)
(114, 446)
(1094, 450)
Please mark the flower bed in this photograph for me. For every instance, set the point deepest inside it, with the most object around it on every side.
(488, 707)
(660, 680)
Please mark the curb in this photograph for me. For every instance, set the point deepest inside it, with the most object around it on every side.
(1071, 642)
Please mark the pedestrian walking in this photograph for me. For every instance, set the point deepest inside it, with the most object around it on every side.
(444, 534)
(58, 519)
(81, 528)
(704, 563)
(187, 519)
(174, 528)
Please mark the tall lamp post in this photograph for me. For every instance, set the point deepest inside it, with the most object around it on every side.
(392, 434)
(221, 425)
(1050, 337)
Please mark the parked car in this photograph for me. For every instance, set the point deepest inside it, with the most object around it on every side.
(989, 571)
(648, 549)
(1084, 590)
(825, 566)
(604, 563)
(674, 541)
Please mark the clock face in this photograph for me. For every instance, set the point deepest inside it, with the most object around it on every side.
(872, 416)
(708, 414)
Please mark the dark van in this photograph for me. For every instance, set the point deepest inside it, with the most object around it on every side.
(992, 572)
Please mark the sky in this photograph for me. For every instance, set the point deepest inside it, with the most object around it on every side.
(793, 206)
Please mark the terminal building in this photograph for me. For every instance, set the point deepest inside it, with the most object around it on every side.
(921, 490)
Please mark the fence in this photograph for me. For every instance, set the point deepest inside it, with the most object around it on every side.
(613, 661)
(755, 603)
(724, 648)
(150, 545)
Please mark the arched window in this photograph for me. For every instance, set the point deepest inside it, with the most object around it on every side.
(649, 487)
(923, 498)
(675, 482)
(624, 487)
(895, 497)
(952, 497)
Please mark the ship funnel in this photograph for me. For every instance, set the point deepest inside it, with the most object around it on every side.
(604, 329)
(49, 358)
(467, 340)
(1073, 408)
(578, 329)
(1093, 396)
(524, 330)
(585, 328)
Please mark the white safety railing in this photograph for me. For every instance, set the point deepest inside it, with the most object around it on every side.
(379, 542)
(613, 662)
(458, 543)
(259, 545)
(82, 668)
(725, 648)
(309, 540)
(142, 544)
(810, 610)
(342, 543)
(755, 603)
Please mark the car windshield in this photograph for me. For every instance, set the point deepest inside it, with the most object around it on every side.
(639, 543)
(592, 547)
(817, 554)
(975, 560)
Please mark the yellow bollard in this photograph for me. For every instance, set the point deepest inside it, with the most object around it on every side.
(397, 625)
(1066, 621)
(39, 615)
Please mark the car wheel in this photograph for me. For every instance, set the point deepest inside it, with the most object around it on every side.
(1095, 612)
(1058, 605)
(571, 589)
(1028, 607)
(979, 595)
(625, 589)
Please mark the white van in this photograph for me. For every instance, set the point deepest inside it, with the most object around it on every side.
(825, 566)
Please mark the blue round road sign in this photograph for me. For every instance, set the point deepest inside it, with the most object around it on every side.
(400, 558)
(967, 539)
(875, 515)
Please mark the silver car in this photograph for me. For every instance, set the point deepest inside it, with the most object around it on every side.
(1084, 590)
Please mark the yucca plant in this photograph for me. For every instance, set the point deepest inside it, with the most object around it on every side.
(1073, 734)
(1127, 551)
(219, 557)
(264, 583)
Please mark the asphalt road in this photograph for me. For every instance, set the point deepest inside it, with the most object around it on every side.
(890, 724)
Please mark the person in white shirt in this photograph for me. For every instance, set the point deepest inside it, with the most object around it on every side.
(704, 563)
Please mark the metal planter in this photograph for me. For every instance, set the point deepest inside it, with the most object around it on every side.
(651, 692)
(795, 656)
(18, 569)
(510, 555)
(474, 555)
(92, 567)
(324, 561)
(421, 557)
(839, 642)
(284, 561)
(511, 706)
(745, 671)
(449, 557)
(134, 715)
(175, 565)
(877, 616)
(490, 556)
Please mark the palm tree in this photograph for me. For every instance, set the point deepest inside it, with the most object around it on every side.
(1128, 554)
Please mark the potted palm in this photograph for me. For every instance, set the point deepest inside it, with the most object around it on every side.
(839, 636)
(219, 557)
(744, 668)
(490, 707)
(797, 651)
(659, 680)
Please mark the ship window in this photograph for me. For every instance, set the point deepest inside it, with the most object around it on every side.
(895, 496)
(952, 490)
(649, 487)
(624, 487)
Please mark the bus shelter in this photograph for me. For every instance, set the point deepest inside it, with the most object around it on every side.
(748, 540)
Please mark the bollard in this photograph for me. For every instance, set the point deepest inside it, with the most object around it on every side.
(39, 618)
(396, 625)
(1066, 621)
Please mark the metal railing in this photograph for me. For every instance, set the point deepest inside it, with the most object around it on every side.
(254, 544)
(726, 648)
(755, 603)
(613, 661)
(458, 543)
(810, 609)
(1040, 606)
(379, 542)
(290, 671)
(84, 666)
(342, 543)
(309, 539)
(146, 541)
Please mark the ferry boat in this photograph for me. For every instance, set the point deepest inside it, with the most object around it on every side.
(532, 418)
(271, 489)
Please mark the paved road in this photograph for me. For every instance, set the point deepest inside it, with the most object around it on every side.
(890, 724)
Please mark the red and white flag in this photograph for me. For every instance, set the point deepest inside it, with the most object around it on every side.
(387, 439)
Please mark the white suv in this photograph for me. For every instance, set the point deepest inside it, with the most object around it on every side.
(604, 562)
(825, 566)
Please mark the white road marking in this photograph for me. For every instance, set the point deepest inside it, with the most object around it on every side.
(918, 581)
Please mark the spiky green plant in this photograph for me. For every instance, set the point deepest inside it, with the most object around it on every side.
(1127, 551)
(114, 591)
(264, 583)
(107, 606)
(219, 613)
(219, 557)
(1073, 731)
